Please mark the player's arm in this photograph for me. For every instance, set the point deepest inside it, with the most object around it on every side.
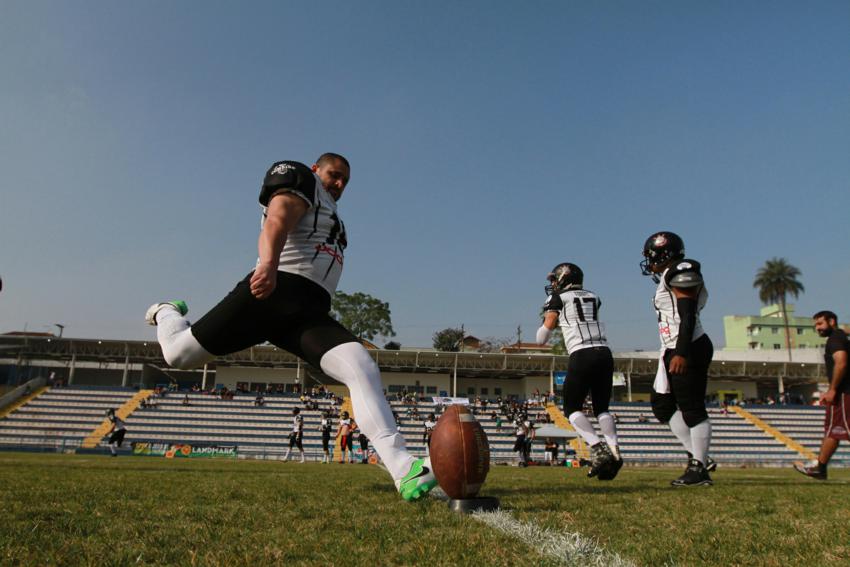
(686, 283)
(282, 216)
(838, 373)
(550, 318)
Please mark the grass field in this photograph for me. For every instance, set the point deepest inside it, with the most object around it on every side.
(93, 510)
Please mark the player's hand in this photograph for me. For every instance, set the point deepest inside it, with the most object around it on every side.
(263, 281)
(678, 365)
(828, 397)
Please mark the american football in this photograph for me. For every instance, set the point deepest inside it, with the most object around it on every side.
(460, 453)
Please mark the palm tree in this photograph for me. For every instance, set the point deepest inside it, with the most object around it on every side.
(775, 281)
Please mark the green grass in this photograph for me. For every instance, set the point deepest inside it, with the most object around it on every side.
(93, 510)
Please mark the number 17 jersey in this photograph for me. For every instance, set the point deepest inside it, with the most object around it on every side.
(578, 317)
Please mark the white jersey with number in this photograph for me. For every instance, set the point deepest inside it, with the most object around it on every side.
(664, 303)
(315, 248)
(578, 318)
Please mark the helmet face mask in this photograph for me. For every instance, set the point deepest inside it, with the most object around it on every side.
(658, 251)
(563, 277)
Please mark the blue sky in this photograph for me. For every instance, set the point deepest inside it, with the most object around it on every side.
(489, 141)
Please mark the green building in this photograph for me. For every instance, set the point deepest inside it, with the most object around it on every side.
(767, 330)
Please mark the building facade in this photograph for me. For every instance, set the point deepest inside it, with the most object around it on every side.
(766, 331)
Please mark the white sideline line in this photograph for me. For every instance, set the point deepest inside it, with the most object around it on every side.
(567, 548)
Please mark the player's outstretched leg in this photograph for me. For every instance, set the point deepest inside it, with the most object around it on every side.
(173, 331)
(351, 364)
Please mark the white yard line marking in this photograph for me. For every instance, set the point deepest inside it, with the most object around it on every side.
(568, 548)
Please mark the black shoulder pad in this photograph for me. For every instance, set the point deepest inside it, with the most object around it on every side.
(553, 303)
(684, 273)
(288, 176)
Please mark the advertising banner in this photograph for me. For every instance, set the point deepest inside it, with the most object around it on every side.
(179, 450)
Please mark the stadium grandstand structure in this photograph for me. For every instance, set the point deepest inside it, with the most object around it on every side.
(60, 419)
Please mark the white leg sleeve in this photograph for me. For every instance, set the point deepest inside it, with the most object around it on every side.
(609, 430)
(701, 439)
(584, 427)
(681, 430)
(179, 346)
(351, 364)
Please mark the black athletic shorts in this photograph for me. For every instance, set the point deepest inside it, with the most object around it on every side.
(295, 440)
(589, 370)
(687, 391)
(117, 437)
(519, 444)
(295, 318)
(326, 441)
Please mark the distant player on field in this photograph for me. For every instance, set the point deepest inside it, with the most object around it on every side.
(286, 300)
(116, 433)
(345, 433)
(678, 397)
(837, 397)
(591, 366)
(296, 437)
(325, 428)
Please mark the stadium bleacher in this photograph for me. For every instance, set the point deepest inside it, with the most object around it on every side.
(60, 419)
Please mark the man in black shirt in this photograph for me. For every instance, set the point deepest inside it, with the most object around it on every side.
(836, 398)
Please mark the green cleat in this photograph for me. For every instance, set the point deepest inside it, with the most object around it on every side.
(179, 305)
(419, 481)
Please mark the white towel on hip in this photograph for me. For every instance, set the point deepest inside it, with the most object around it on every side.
(661, 384)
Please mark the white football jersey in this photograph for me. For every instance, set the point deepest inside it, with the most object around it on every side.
(429, 425)
(297, 424)
(315, 248)
(117, 422)
(665, 305)
(578, 318)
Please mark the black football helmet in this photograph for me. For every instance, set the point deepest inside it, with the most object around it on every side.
(660, 249)
(564, 276)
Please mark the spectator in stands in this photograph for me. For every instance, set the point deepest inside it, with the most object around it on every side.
(642, 418)
(259, 401)
(186, 400)
(143, 404)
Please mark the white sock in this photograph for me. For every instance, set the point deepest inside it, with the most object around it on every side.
(584, 427)
(179, 346)
(701, 439)
(681, 430)
(302, 456)
(286, 456)
(112, 448)
(609, 430)
(351, 364)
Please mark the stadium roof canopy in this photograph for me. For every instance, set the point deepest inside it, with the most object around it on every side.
(727, 365)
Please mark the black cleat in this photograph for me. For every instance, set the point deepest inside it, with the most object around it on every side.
(711, 464)
(695, 475)
(610, 472)
(816, 472)
(600, 458)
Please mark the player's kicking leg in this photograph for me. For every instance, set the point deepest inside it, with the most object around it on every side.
(351, 364)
